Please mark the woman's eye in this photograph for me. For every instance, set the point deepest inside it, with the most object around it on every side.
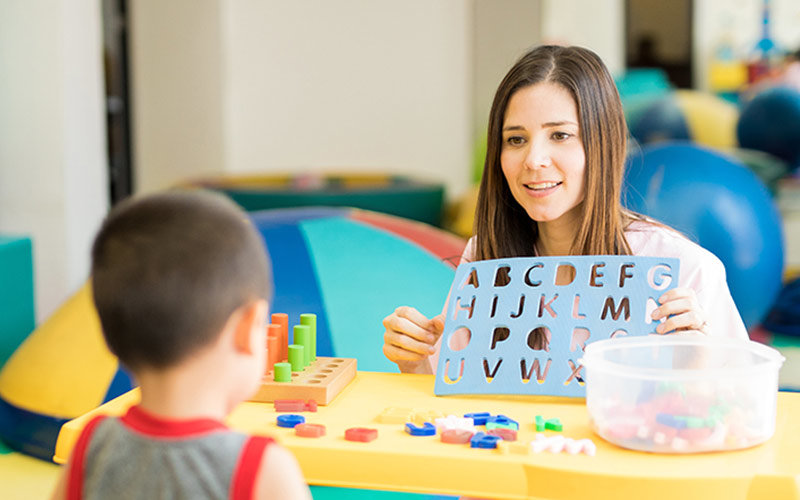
(560, 136)
(515, 140)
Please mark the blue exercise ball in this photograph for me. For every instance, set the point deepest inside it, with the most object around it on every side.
(700, 117)
(661, 120)
(719, 203)
(770, 122)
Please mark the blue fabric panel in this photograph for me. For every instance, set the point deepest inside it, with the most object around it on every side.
(29, 432)
(296, 288)
(120, 384)
(289, 216)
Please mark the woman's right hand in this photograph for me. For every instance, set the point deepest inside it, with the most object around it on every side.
(410, 338)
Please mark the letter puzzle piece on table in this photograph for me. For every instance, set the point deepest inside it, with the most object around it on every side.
(426, 429)
(511, 329)
(457, 436)
(479, 418)
(290, 420)
(361, 434)
(483, 440)
(501, 421)
(294, 405)
(506, 434)
(394, 415)
(452, 422)
(309, 430)
(321, 381)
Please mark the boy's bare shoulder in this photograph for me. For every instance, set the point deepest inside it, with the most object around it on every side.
(279, 476)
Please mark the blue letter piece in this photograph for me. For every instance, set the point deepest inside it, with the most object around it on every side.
(427, 429)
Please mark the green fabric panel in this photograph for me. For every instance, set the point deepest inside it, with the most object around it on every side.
(17, 318)
(785, 341)
(364, 273)
(423, 203)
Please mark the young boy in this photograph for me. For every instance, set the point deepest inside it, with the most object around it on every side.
(181, 283)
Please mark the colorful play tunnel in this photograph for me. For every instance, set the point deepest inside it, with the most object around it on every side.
(350, 267)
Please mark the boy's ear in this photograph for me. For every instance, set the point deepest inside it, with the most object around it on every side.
(252, 320)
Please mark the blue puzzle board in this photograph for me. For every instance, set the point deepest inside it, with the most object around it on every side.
(510, 306)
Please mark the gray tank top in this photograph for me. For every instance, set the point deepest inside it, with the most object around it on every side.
(140, 456)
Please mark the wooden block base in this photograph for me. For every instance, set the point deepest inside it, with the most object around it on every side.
(321, 381)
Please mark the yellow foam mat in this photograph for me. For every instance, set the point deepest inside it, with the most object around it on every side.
(397, 461)
(24, 478)
(63, 368)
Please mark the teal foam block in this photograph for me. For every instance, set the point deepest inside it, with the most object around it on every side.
(364, 274)
(330, 493)
(508, 305)
(17, 316)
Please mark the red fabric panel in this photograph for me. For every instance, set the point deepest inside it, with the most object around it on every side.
(440, 243)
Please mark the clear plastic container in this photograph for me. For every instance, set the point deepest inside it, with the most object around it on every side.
(677, 394)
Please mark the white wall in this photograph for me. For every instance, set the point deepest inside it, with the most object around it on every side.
(53, 173)
(242, 86)
(503, 31)
(353, 84)
(738, 22)
(597, 24)
(176, 91)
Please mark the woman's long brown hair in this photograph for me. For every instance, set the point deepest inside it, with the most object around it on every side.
(502, 226)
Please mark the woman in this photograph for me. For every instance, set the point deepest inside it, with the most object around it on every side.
(551, 186)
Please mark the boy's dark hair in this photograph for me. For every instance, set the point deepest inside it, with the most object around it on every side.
(169, 269)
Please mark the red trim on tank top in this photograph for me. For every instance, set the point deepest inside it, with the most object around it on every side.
(141, 421)
(77, 464)
(245, 473)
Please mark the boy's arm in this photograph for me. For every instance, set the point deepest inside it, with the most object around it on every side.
(60, 493)
(77, 454)
(279, 476)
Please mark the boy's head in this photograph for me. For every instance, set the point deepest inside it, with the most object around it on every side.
(169, 270)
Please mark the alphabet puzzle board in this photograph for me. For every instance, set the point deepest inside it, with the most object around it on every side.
(510, 329)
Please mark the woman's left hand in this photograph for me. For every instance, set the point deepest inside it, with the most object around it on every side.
(682, 312)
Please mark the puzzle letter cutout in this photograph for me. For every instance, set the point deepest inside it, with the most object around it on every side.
(510, 329)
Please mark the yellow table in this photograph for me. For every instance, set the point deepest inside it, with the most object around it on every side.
(397, 461)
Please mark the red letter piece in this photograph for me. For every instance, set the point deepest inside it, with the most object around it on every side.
(506, 434)
(360, 434)
(456, 436)
(309, 430)
(289, 405)
(294, 405)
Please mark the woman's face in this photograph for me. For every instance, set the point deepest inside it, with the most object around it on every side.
(542, 153)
